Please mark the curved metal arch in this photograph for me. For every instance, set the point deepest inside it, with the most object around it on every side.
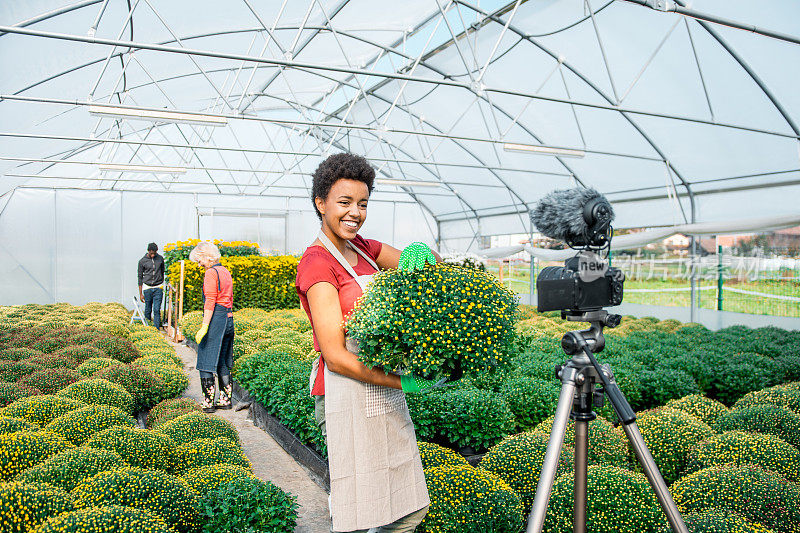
(50, 14)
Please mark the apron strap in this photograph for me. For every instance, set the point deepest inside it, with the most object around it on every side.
(326, 242)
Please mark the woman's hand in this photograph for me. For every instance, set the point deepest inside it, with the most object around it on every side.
(414, 257)
(201, 333)
(411, 384)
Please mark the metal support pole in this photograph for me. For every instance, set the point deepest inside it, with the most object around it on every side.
(719, 277)
(692, 282)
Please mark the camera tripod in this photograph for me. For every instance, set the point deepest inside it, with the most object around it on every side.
(579, 376)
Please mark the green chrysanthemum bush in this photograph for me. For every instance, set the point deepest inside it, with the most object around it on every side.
(203, 452)
(670, 435)
(739, 447)
(24, 449)
(208, 478)
(69, 468)
(166, 496)
(607, 444)
(78, 425)
(248, 504)
(193, 426)
(93, 364)
(50, 380)
(10, 424)
(700, 407)
(117, 348)
(18, 354)
(435, 321)
(759, 495)
(81, 353)
(763, 418)
(41, 410)
(518, 459)
(531, 400)
(99, 392)
(12, 371)
(466, 499)
(11, 392)
(171, 408)
(780, 395)
(175, 381)
(719, 521)
(23, 506)
(619, 501)
(434, 455)
(138, 447)
(107, 519)
(144, 386)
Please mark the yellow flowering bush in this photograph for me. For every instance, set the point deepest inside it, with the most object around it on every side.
(99, 392)
(166, 496)
(93, 364)
(700, 407)
(787, 395)
(138, 447)
(174, 252)
(41, 410)
(763, 418)
(670, 434)
(208, 478)
(171, 408)
(263, 282)
(193, 426)
(739, 447)
(434, 455)
(68, 468)
(190, 323)
(619, 501)
(81, 353)
(144, 386)
(203, 452)
(116, 347)
(518, 459)
(466, 499)
(25, 505)
(78, 425)
(441, 320)
(106, 519)
(758, 495)
(173, 378)
(607, 444)
(719, 521)
(9, 424)
(25, 449)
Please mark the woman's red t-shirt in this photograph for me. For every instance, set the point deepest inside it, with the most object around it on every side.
(316, 265)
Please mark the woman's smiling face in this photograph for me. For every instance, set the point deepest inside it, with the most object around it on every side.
(345, 209)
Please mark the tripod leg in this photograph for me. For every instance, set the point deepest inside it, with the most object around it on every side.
(581, 466)
(553, 453)
(654, 477)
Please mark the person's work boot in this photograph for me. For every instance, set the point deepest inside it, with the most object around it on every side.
(207, 384)
(224, 401)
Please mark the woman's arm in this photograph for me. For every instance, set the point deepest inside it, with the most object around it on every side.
(210, 292)
(323, 301)
(390, 257)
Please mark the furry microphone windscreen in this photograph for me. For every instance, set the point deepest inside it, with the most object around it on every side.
(560, 213)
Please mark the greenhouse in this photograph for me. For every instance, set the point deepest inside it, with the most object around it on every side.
(202, 331)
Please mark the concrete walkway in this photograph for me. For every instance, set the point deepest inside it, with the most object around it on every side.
(269, 460)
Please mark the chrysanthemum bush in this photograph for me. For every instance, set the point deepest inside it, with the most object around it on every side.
(50, 380)
(205, 479)
(787, 395)
(167, 496)
(203, 452)
(758, 495)
(171, 408)
(11, 392)
(531, 400)
(138, 447)
(41, 410)
(670, 435)
(700, 407)
(466, 499)
(10, 424)
(739, 447)
(439, 320)
(12, 371)
(518, 459)
(93, 364)
(607, 444)
(70, 467)
(99, 392)
(79, 425)
(173, 378)
(193, 426)
(619, 501)
(25, 449)
(25, 505)
(106, 519)
(248, 504)
(434, 455)
(763, 418)
(719, 521)
(145, 387)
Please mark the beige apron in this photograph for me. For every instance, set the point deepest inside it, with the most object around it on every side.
(375, 468)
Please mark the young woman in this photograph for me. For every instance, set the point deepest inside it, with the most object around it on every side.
(375, 469)
(215, 337)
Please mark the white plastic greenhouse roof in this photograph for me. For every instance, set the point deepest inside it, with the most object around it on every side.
(676, 117)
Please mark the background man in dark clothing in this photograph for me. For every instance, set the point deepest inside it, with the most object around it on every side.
(151, 277)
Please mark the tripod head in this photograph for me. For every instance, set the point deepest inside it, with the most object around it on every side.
(593, 338)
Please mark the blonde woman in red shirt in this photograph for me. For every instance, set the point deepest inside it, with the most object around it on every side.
(215, 337)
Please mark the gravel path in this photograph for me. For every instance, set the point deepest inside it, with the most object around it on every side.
(269, 460)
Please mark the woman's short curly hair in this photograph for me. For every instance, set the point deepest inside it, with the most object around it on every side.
(344, 166)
